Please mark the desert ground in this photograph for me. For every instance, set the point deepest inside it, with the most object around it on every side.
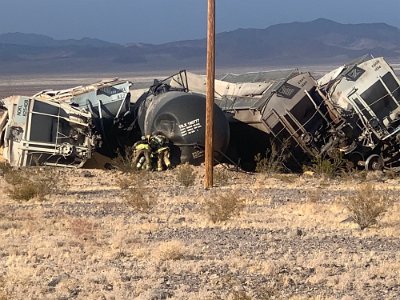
(105, 234)
(291, 238)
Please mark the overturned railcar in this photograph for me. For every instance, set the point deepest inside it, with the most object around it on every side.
(180, 116)
(41, 132)
(109, 104)
(287, 112)
(64, 128)
(291, 113)
(363, 99)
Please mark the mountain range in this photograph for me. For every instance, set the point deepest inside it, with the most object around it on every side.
(294, 44)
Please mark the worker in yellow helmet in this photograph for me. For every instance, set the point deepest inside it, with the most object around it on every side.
(141, 159)
(160, 150)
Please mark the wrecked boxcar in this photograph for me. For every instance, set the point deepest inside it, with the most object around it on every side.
(109, 104)
(286, 112)
(64, 128)
(41, 132)
(363, 99)
(353, 110)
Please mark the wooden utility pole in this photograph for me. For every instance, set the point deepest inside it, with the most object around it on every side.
(209, 151)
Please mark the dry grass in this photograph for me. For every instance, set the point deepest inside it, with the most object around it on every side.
(185, 175)
(171, 250)
(221, 177)
(123, 161)
(221, 208)
(132, 179)
(368, 205)
(26, 184)
(4, 168)
(139, 199)
(3, 295)
(314, 195)
(329, 166)
(89, 245)
(81, 228)
(274, 159)
(134, 191)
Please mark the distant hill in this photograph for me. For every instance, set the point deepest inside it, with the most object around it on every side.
(299, 43)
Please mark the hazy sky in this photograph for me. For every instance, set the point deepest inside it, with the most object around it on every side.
(157, 21)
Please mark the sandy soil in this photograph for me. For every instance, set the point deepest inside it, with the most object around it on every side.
(289, 242)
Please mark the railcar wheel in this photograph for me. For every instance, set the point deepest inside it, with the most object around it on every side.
(374, 163)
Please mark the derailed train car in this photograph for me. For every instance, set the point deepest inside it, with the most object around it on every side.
(353, 110)
(37, 132)
(287, 112)
(290, 112)
(179, 115)
(63, 128)
(363, 99)
(109, 104)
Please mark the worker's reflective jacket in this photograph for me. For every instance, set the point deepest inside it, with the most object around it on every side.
(142, 147)
(162, 149)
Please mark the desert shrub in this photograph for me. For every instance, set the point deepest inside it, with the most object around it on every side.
(124, 182)
(223, 207)
(328, 166)
(29, 183)
(221, 177)
(134, 179)
(391, 174)
(368, 205)
(274, 159)
(139, 199)
(239, 295)
(171, 250)
(123, 161)
(4, 168)
(185, 175)
(237, 289)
